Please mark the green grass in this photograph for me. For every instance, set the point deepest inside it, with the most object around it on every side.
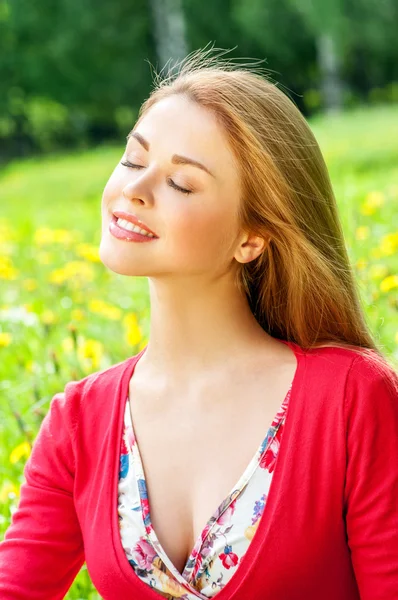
(56, 335)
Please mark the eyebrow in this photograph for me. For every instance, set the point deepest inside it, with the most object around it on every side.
(176, 159)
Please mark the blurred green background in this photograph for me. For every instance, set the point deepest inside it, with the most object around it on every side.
(74, 75)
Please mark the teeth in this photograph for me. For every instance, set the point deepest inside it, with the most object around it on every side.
(130, 227)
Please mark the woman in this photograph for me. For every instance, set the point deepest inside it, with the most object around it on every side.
(250, 450)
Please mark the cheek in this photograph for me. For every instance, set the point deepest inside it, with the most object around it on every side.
(196, 236)
(112, 190)
(109, 191)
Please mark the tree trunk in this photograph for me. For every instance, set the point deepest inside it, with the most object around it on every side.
(331, 83)
(169, 30)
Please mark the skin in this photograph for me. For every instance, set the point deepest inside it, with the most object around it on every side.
(197, 313)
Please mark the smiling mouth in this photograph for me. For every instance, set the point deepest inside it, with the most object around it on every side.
(127, 235)
(132, 221)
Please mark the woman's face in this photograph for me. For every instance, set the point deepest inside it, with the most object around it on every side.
(197, 233)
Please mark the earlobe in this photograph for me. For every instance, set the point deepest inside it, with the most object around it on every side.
(251, 248)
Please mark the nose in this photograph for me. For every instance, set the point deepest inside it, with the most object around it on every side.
(134, 197)
(138, 191)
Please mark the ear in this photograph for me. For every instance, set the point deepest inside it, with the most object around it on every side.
(249, 248)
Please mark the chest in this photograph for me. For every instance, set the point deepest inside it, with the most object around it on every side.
(195, 449)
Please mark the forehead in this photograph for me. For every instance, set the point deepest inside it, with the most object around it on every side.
(178, 125)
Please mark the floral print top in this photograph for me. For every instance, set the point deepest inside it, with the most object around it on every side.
(223, 542)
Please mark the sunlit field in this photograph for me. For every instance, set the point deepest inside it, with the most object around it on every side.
(64, 315)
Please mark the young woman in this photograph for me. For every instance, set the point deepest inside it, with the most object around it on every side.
(250, 451)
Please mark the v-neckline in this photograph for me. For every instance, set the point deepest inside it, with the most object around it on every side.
(184, 578)
(245, 567)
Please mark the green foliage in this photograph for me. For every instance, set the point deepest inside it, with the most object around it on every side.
(69, 66)
(72, 72)
(386, 94)
(46, 120)
(125, 117)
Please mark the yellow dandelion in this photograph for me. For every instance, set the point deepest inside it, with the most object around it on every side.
(20, 451)
(29, 307)
(44, 236)
(64, 236)
(78, 268)
(396, 337)
(361, 264)
(389, 244)
(7, 269)
(90, 353)
(7, 490)
(5, 339)
(88, 251)
(100, 307)
(58, 276)
(133, 332)
(77, 314)
(48, 317)
(389, 283)
(373, 200)
(362, 233)
(375, 197)
(74, 272)
(29, 284)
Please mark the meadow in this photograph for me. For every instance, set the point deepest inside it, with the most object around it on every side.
(63, 314)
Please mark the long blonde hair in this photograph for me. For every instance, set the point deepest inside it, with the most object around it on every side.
(302, 287)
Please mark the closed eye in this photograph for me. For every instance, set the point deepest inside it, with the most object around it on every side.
(171, 182)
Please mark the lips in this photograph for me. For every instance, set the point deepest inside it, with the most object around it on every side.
(120, 214)
(126, 235)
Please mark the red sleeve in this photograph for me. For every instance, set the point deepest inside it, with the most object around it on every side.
(42, 550)
(371, 487)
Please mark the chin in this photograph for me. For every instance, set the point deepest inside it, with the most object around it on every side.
(116, 262)
(112, 260)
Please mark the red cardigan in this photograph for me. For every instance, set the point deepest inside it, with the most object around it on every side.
(329, 530)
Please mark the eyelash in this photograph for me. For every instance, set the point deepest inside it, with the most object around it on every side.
(172, 184)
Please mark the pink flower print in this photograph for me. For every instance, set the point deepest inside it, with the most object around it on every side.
(123, 447)
(225, 517)
(268, 459)
(144, 554)
(194, 553)
(196, 560)
(145, 509)
(130, 437)
(228, 558)
(206, 530)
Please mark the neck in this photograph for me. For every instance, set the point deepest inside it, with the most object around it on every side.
(200, 327)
